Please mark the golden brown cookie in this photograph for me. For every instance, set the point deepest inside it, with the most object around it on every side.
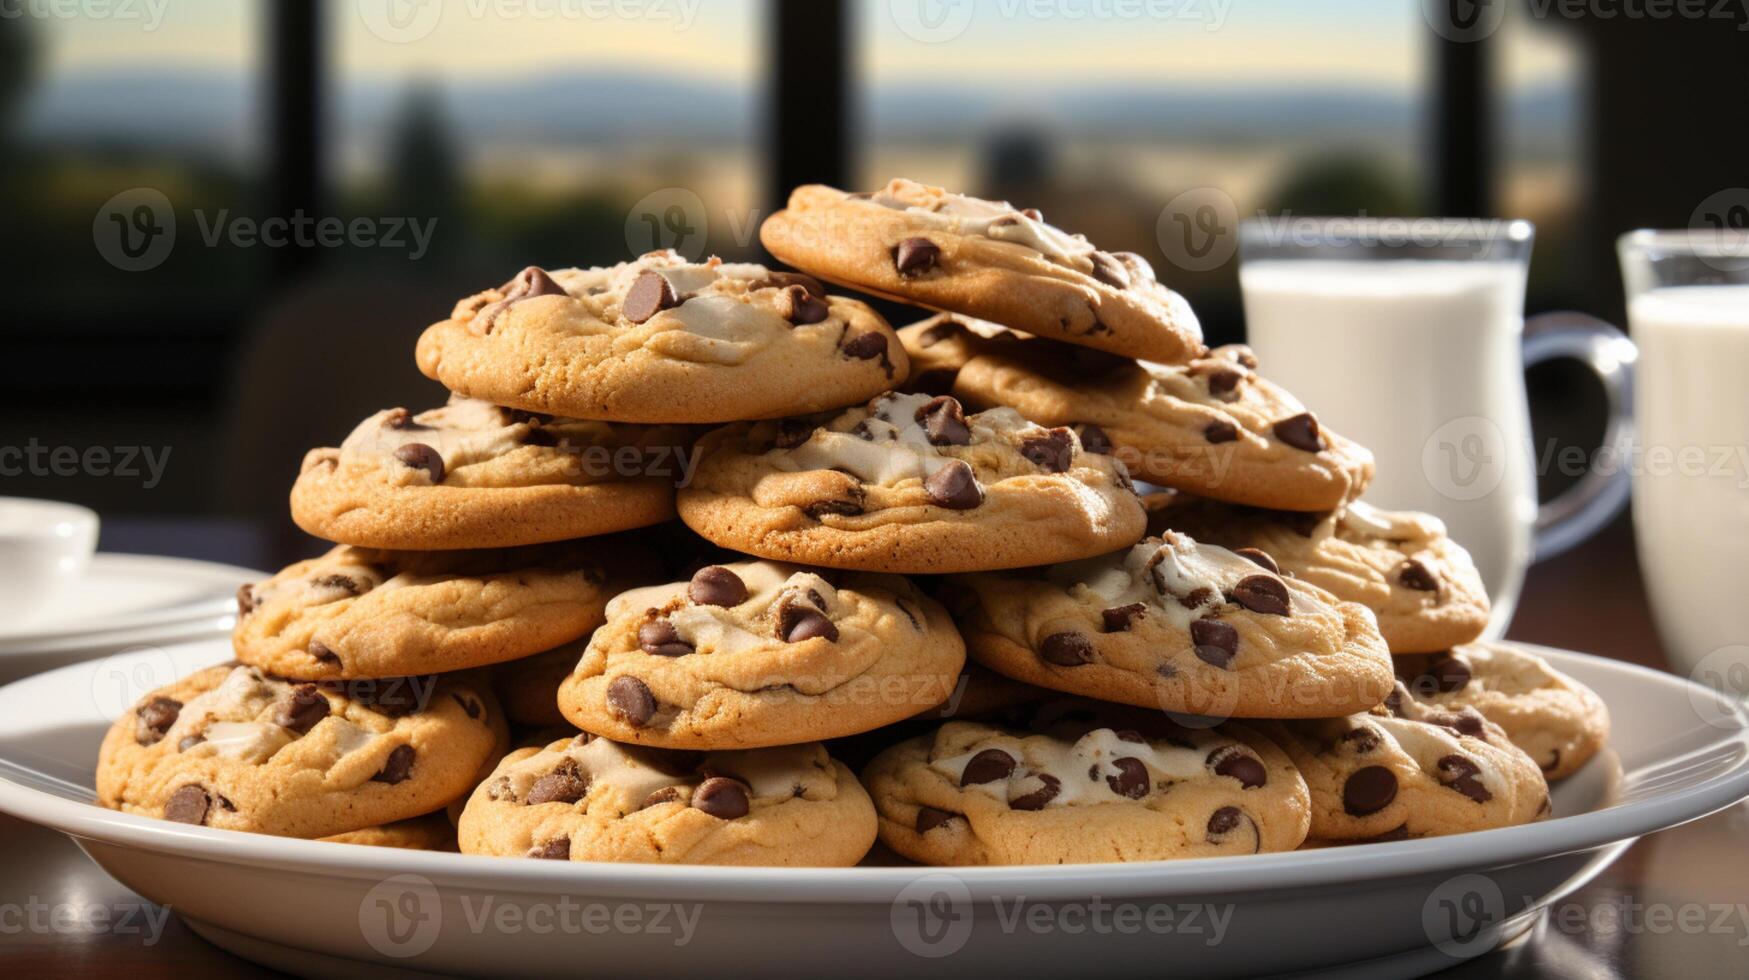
(1409, 769)
(1419, 583)
(474, 475)
(910, 484)
(1213, 425)
(432, 832)
(1180, 626)
(528, 687)
(760, 653)
(923, 245)
(1556, 720)
(590, 799)
(975, 794)
(663, 339)
(359, 612)
(234, 748)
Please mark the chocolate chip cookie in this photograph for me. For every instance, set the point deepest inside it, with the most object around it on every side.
(235, 748)
(361, 612)
(923, 245)
(761, 653)
(908, 483)
(1556, 720)
(663, 339)
(1181, 626)
(1409, 769)
(1213, 425)
(528, 687)
(474, 475)
(975, 794)
(590, 799)
(1421, 584)
(432, 832)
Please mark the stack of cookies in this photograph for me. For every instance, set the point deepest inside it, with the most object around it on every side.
(1237, 656)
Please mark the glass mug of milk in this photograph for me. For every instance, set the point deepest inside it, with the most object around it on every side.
(1408, 336)
(1688, 308)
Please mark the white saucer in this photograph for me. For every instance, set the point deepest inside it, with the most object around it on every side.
(1679, 751)
(120, 592)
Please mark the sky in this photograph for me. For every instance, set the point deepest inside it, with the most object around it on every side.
(1219, 42)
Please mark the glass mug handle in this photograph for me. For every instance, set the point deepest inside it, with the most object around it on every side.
(1584, 508)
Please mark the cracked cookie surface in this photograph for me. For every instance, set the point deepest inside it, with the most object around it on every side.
(1420, 584)
(1180, 626)
(909, 484)
(234, 748)
(591, 799)
(761, 653)
(663, 339)
(1213, 425)
(923, 245)
(361, 612)
(475, 475)
(1556, 720)
(1407, 769)
(1083, 791)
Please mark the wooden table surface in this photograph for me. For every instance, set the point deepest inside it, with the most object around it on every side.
(1589, 599)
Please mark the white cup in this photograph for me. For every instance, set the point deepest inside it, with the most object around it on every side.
(1688, 307)
(45, 547)
(1408, 336)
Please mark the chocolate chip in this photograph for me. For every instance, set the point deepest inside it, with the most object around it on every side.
(1301, 432)
(1219, 431)
(189, 741)
(565, 784)
(155, 718)
(1261, 594)
(1093, 438)
(1224, 384)
(1131, 779)
(1049, 787)
(1107, 269)
(649, 295)
(419, 456)
(714, 585)
(866, 346)
(1239, 764)
(722, 798)
(1224, 821)
(797, 622)
(1258, 557)
(987, 766)
(321, 653)
(630, 699)
(944, 422)
(1415, 575)
(793, 432)
(929, 818)
(1214, 642)
(188, 804)
(469, 706)
(667, 794)
(301, 709)
(337, 583)
(245, 599)
(397, 767)
(848, 506)
(530, 282)
(556, 849)
(782, 280)
(801, 307)
(1118, 618)
(954, 487)
(1066, 649)
(1052, 451)
(1368, 790)
(915, 256)
(1459, 773)
(1363, 739)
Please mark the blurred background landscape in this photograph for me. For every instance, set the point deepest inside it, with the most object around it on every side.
(579, 133)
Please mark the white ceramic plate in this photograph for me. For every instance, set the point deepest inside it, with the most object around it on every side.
(1680, 751)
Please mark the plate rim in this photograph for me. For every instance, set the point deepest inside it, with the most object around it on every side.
(38, 636)
(1290, 870)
